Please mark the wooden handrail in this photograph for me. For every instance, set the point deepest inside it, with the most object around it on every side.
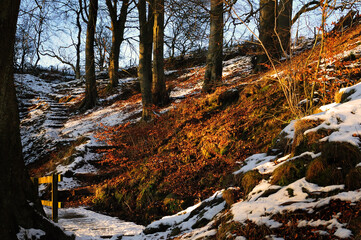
(54, 203)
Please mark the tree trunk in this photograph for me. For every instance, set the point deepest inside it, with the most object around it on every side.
(159, 90)
(145, 56)
(114, 58)
(118, 27)
(213, 74)
(19, 203)
(266, 30)
(284, 24)
(91, 94)
(77, 65)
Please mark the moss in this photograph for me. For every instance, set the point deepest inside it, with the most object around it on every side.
(353, 179)
(224, 150)
(250, 180)
(175, 232)
(226, 226)
(173, 203)
(200, 223)
(323, 174)
(291, 192)
(227, 180)
(303, 143)
(311, 141)
(342, 97)
(161, 228)
(230, 196)
(200, 210)
(269, 192)
(146, 194)
(280, 144)
(105, 197)
(355, 226)
(342, 154)
(209, 149)
(290, 171)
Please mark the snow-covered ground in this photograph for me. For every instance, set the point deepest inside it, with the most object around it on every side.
(88, 225)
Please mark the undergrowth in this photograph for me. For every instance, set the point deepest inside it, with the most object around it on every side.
(189, 152)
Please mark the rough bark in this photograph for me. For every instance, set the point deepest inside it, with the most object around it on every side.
(19, 203)
(159, 90)
(213, 74)
(145, 56)
(117, 28)
(77, 64)
(267, 30)
(91, 94)
(284, 24)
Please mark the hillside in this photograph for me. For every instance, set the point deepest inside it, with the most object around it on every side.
(304, 186)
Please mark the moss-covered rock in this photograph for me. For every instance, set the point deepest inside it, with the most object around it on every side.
(323, 174)
(161, 228)
(290, 171)
(250, 180)
(343, 96)
(231, 196)
(306, 142)
(342, 154)
(353, 179)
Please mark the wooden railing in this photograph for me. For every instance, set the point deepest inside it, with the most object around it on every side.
(54, 203)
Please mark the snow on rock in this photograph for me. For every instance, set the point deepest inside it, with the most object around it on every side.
(185, 221)
(255, 161)
(260, 209)
(31, 233)
(343, 119)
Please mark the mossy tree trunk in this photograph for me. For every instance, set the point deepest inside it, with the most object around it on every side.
(19, 203)
(284, 24)
(91, 95)
(117, 28)
(213, 74)
(159, 90)
(145, 55)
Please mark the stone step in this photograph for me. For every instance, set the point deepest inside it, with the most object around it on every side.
(57, 118)
(55, 126)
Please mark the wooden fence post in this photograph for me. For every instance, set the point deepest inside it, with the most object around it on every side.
(54, 197)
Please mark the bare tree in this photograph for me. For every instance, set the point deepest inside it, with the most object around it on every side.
(102, 46)
(186, 26)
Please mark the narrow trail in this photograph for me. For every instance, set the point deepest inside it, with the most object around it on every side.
(88, 225)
